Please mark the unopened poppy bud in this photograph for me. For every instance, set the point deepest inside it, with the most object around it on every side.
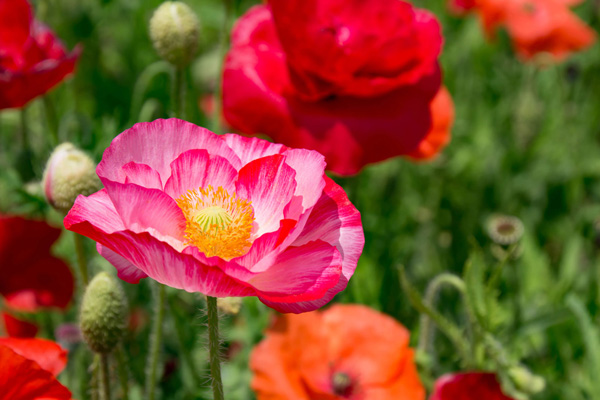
(525, 381)
(69, 173)
(174, 31)
(103, 317)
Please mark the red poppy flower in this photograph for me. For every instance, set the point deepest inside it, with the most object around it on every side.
(346, 352)
(15, 327)
(30, 277)
(32, 59)
(28, 369)
(468, 386)
(535, 26)
(353, 80)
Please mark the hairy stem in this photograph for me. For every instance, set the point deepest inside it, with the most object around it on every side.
(213, 345)
(104, 378)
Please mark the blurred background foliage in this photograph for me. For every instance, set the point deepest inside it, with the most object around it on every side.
(525, 143)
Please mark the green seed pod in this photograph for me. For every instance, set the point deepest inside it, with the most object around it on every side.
(69, 173)
(103, 317)
(174, 30)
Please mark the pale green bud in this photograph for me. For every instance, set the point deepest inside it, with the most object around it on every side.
(525, 381)
(174, 30)
(69, 173)
(103, 317)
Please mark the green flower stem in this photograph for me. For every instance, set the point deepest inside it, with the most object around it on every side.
(155, 341)
(143, 82)
(448, 328)
(104, 378)
(24, 129)
(81, 262)
(178, 95)
(51, 119)
(122, 371)
(223, 45)
(213, 346)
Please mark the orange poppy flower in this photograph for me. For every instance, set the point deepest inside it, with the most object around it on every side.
(534, 26)
(442, 118)
(346, 352)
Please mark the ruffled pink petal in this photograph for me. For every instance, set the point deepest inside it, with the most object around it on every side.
(300, 273)
(97, 207)
(197, 169)
(269, 184)
(251, 148)
(157, 144)
(335, 220)
(310, 170)
(147, 210)
(142, 175)
(125, 270)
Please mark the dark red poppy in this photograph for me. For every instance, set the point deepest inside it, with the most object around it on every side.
(32, 59)
(347, 352)
(28, 369)
(31, 277)
(468, 386)
(353, 80)
(534, 26)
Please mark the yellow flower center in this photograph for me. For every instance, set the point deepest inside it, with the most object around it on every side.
(217, 223)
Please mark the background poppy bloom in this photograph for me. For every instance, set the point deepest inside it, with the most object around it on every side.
(468, 386)
(28, 369)
(344, 352)
(30, 277)
(221, 215)
(535, 26)
(32, 59)
(353, 80)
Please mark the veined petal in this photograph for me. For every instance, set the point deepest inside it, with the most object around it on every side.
(300, 274)
(251, 148)
(157, 144)
(143, 209)
(197, 169)
(125, 270)
(142, 175)
(269, 184)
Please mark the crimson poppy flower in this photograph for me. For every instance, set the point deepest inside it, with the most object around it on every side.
(30, 277)
(345, 352)
(28, 369)
(223, 215)
(534, 26)
(32, 59)
(468, 386)
(353, 80)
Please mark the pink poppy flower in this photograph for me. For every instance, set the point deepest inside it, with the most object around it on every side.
(468, 386)
(353, 80)
(221, 215)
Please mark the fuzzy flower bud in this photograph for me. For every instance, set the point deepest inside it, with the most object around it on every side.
(103, 317)
(174, 32)
(69, 173)
(525, 381)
